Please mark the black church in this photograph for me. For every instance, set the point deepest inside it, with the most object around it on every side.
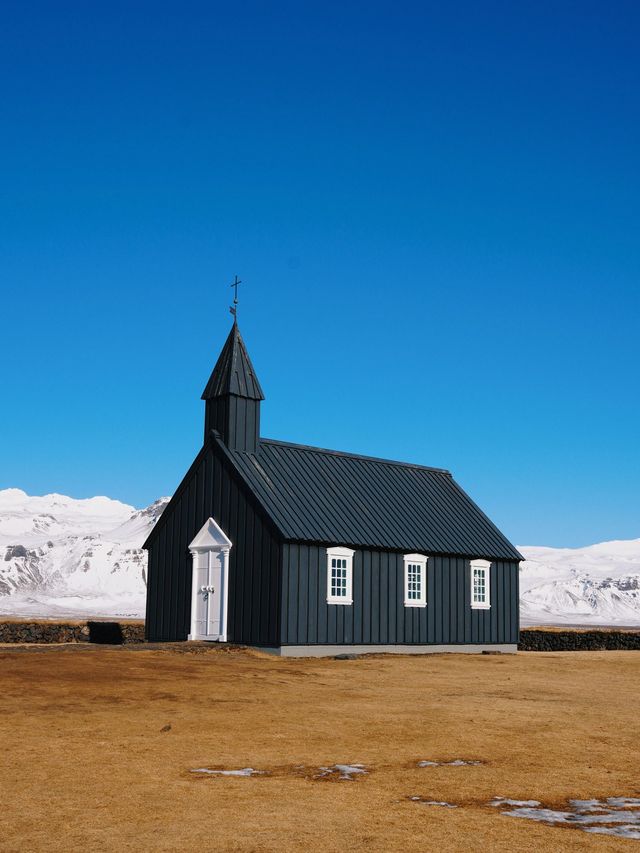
(306, 551)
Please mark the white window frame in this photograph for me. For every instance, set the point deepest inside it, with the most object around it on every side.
(340, 552)
(421, 561)
(485, 566)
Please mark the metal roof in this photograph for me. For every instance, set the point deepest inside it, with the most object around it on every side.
(316, 495)
(233, 373)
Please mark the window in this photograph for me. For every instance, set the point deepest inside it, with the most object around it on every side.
(415, 580)
(480, 584)
(339, 575)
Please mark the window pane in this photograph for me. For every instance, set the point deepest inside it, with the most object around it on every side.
(339, 577)
(479, 585)
(415, 582)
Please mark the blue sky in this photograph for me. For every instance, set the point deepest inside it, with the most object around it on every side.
(434, 209)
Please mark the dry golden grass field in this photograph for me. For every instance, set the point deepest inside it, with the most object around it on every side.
(88, 761)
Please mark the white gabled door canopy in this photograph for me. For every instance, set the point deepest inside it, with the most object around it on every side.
(210, 537)
(210, 583)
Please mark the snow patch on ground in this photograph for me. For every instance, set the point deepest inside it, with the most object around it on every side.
(344, 772)
(617, 816)
(245, 771)
(458, 762)
(433, 803)
(339, 772)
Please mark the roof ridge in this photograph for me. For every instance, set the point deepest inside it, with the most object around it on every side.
(354, 455)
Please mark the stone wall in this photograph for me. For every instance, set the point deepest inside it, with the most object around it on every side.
(41, 631)
(551, 640)
(531, 639)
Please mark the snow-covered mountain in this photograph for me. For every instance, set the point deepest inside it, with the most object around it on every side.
(65, 557)
(596, 585)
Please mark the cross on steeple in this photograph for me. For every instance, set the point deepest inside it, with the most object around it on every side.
(234, 307)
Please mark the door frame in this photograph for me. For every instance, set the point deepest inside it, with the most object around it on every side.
(210, 539)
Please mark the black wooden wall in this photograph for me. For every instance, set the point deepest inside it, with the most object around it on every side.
(237, 419)
(212, 489)
(378, 614)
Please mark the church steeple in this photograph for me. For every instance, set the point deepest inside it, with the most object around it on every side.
(232, 396)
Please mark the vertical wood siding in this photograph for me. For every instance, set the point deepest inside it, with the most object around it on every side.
(378, 614)
(237, 419)
(254, 566)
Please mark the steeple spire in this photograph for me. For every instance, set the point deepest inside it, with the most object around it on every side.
(232, 396)
(233, 373)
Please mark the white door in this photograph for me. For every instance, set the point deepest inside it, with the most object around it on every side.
(210, 578)
(208, 595)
